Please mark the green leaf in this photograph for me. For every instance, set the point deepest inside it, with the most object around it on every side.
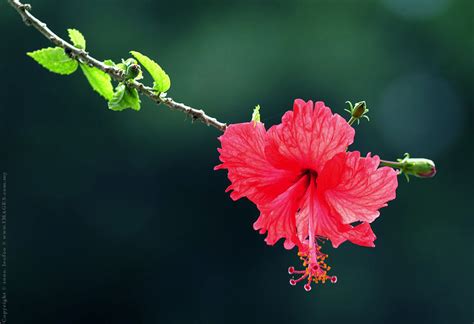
(99, 81)
(117, 97)
(109, 63)
(122, 66)
(162, 80)
(129, 61)
(54, 60)
(124, 98)
(77, 38)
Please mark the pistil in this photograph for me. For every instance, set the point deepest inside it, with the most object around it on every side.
(316, 269)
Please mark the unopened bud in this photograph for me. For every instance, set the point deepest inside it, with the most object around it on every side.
(418, 167)
(256, 115)
(133, 70)
(421, 168)
(359, 109)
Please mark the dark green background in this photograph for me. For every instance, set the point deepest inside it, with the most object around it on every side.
(118, 217)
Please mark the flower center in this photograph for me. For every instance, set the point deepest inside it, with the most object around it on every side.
(311, 173)
(315, 270)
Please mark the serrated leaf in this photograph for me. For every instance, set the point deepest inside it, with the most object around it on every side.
(77, 38)
(124, 98)
(55, 60)
(162, 80)
(99, 81)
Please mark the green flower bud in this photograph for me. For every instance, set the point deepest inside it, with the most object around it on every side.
(359, 109)
(256, 115)
(421, 168)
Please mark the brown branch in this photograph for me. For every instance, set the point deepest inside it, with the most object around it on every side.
(84, 57)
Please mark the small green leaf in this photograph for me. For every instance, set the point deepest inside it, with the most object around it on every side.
(109, 63)
(122, 66)
(77, 38)
(99, 81)
(256, 114)
(54, 60)
(129, 61)
(117, 96)
(125, 63)
(124, 98)
(162, 80)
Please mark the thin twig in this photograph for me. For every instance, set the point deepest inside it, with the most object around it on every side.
(84, 57)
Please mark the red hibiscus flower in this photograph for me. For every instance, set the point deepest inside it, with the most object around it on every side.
(305, 183)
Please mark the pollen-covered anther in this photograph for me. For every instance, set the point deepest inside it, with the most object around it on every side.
(315, 269)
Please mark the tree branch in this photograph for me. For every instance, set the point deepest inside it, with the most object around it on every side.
(84, 57)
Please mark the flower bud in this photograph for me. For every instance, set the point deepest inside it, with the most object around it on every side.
(418, 167)
(421, 168)
(359, 109)
(256, 115)
(133, 70)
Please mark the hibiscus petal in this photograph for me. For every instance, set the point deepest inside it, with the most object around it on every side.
(242, 154)
(307, 137)
(315, 209)
(355, 188)
(278, 216)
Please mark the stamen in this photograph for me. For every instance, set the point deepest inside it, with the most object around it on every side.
(315, 270)
(301, 278)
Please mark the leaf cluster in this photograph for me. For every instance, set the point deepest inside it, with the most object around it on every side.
(123, 96)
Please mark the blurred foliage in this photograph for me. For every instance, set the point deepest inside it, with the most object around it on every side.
(119, 218)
